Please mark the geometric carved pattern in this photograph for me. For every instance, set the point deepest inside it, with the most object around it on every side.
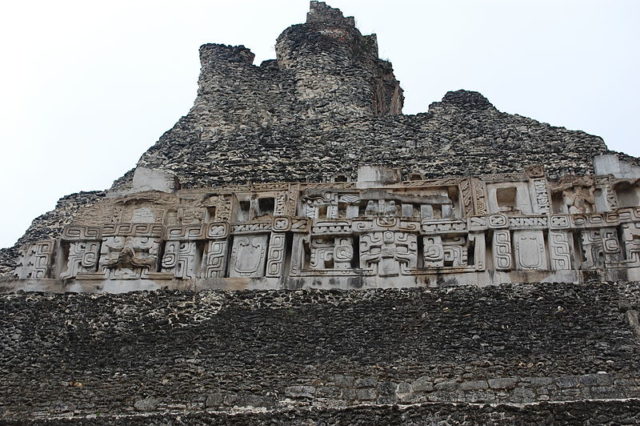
(181, 258)
(631, 238)
(388, 253)
(83, 258)
(216, 259)
(559, 250)
(541, 195)
(35, 262)
(611, 245)
(275, 258)
(502, 250)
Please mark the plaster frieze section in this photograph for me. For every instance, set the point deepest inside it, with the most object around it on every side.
(379, 231)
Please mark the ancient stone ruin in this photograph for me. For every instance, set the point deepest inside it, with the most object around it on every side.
(507, 278)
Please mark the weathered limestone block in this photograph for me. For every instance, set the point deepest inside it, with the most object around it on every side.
(530, 252)
(36, 260)
(146, 179)
(248, 256)
(631, 239)
(181, 258)
(83, 258)
(276, 255)
(388, 253)
(128, 257)
(502, 258)
(560, 250)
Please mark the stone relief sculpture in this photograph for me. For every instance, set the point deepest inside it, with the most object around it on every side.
(400, 233)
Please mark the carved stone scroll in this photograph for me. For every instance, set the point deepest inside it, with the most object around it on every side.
(611, 245)
(181, 258)
(559, 250)
(82, 259)
(455, 252)
(35, 261)
(529, 251)
(502, 250)
(331, 253)
(276, 255)
(216, 259)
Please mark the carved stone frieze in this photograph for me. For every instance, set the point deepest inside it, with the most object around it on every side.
(82, 258)
(215, 263)
(128, 257)
(36, 260)
(388, 253)
(181, 258)
(300, 231)
(529, 250)
(248, 256)
(559, 250)
(502, 256)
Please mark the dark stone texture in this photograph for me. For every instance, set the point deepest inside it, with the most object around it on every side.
(83, 354)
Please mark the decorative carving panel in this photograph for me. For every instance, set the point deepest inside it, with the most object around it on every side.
(82, 258)
(276, 255)
(181, 258)
(128, 257)
(248, 256)
(215, 262)
(35, 262)
(530, 252)
(631, 239)
(388, 253)
(559, 250)
(502, 258)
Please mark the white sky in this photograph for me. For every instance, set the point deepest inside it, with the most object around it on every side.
(86, 86)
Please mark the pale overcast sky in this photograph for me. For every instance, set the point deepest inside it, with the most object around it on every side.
(87, 86)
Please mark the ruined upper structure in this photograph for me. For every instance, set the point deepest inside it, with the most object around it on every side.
(303, 171)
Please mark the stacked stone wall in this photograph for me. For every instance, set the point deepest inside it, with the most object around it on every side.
(78, 355)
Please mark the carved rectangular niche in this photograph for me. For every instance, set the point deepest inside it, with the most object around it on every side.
(248, 256)
(530, 252)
